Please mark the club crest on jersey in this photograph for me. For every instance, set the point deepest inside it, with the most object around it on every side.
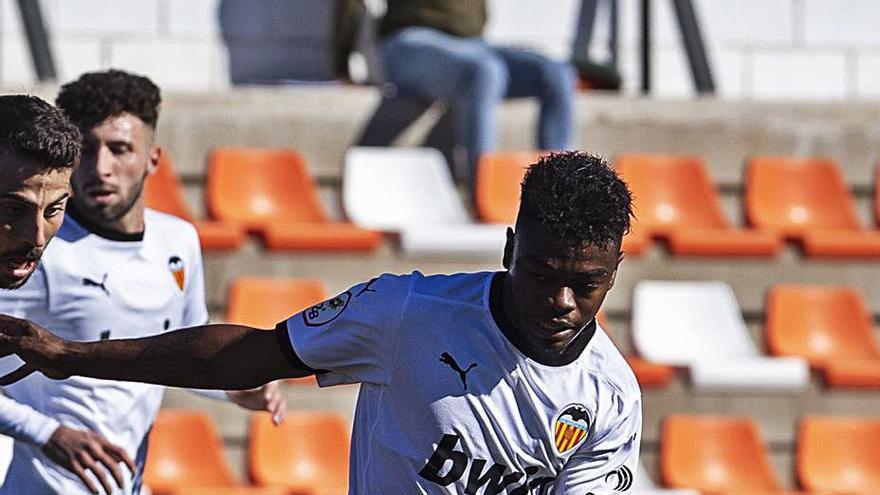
(327, 311)
(176, 265)
(571, 427)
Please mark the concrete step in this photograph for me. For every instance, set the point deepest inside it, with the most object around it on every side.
(323, 121)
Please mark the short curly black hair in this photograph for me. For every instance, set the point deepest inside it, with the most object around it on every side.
(579, 198)
(96, 96)
(33, 128)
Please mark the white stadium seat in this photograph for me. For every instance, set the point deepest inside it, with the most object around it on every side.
(699, 325)
(410, 191)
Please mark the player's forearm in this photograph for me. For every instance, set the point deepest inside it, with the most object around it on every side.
(212, 356)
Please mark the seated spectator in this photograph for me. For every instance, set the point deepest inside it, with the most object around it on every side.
(434, 50)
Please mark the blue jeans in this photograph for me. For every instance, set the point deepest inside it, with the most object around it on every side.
(474, 77)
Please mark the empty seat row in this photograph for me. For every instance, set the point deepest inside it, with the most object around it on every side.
(805, 200)
(306, 455)
(727, 455)
(407, 192)
(266, 192)
(410, 191)
(699, 325)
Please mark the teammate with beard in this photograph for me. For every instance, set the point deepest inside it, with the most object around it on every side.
(116, 269)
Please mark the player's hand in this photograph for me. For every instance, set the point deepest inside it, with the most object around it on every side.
(35, 345)
(80, 451)
(266, 398)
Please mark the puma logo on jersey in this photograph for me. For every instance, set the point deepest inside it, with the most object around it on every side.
(446, 466)
(447, 359)
(87, 282)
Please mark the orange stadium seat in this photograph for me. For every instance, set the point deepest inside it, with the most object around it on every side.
(808, 200)
(263, 302)
(164, 192)
(307, 453)
(716, 455)
(831, 327)
(648, 374)
(675, 200)
(185, 450)
(499, 177)
(840, 455)
(272, 192)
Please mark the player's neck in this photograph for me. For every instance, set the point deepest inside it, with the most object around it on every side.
(115, 231)
(501, 307)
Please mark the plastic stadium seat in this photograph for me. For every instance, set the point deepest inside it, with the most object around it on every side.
(699, 325)
(306, 453)
(164, 192)
(272, 192)
(185, 450)
(499, 180)
(716, 455)
(831, 327)
(262, 302)
(410, 191)
(807, 199)
(675, 200)
(838, 454)
(648, 374)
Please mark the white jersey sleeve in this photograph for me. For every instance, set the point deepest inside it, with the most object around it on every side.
(351, 338)
(19, 420)
(608, 460)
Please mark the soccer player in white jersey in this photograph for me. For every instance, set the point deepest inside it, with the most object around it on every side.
(490, 383)
(39, 148)
(115, 270)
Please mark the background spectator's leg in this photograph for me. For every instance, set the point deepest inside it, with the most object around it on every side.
(431, 64)
(532, 74)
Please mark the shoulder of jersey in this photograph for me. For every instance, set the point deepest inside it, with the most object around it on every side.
(611, 364)
(171, 223)
(461, 287)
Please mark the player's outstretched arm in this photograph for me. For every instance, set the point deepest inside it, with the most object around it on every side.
(229, 357)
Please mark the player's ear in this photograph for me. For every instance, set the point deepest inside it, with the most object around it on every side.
(508, 248)
(153, 161)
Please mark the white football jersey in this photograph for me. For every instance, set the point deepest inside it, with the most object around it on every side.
(89, 288)
(448, 405)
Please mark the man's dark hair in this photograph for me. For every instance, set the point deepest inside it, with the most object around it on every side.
(33, 128)
(96, 96)
(578, 198)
